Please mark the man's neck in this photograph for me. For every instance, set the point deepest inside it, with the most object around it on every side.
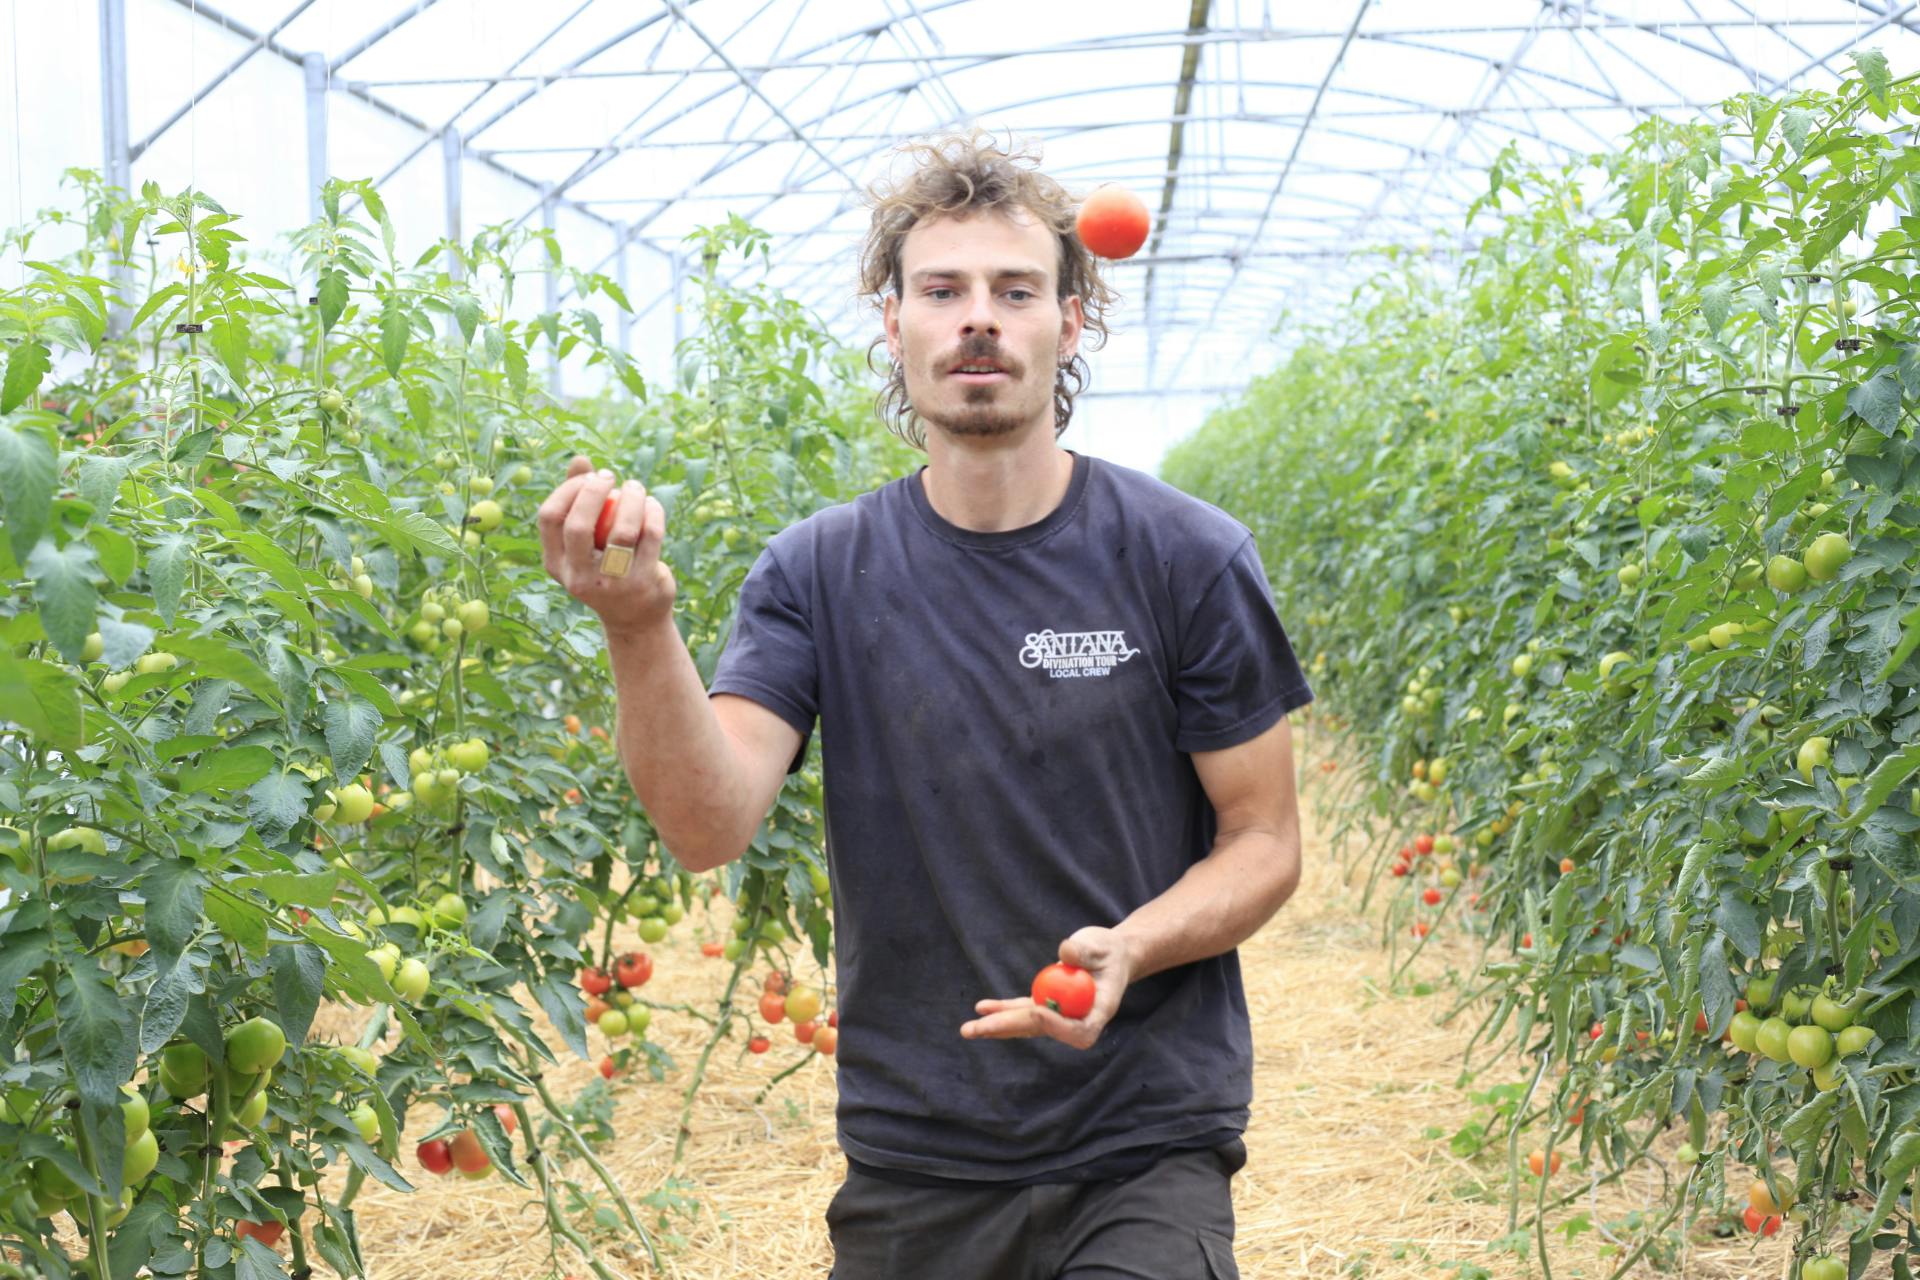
(992, 490)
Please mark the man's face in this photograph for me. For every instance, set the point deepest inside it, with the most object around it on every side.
(980, 291)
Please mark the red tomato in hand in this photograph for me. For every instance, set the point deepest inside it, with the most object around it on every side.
(594, 982)
(1113, 223)
(435, 1156)
(633, 969)
(1064, 988)
(604, 525)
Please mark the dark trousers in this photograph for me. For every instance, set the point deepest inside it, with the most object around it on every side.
(1173, 1222)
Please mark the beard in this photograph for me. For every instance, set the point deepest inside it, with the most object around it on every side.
(980, 412)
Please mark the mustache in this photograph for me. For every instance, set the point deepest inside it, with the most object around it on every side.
(982, 350)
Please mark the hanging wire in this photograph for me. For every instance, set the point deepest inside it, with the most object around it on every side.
(19, 135)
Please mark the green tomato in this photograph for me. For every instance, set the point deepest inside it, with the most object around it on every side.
(735, 949)
(470, 756)
(1809, 1046)
(1773, 1038)
(473, 615)
(1825, 1267)
(255, 1045)
(140, 1158)
(651, 929)
(412, 980)
(1796, 1004)
(522, 474)
(1743, 1030)
(1831, 1013)
(408, 916)
(366, 1121)
(361, 1060)
(1853, 1039)
(85, 839)
(96, 644)
(115, 681)
(449, 911)
(1687, 1154)
(612, 1023)
(135, 1110)
(673, 913)
(1785, 574)
(1760, 990)
(188, 1064)
(639, 1018)
(1825, 557)
(486, 515)
(149, 664)
(252, 1112)
(386, 958)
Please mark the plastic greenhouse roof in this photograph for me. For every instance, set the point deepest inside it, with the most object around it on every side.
(1271, 139)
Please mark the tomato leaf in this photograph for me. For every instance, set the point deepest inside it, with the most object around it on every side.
(63, 586)
(167, 571)
(27, 365)
(1886, 776)
(28, 473)
(1872, 66)
(1901, 1160)
(396, 325)
(174, 890)
(230, 340)
(515, 357)
(42, 698)
(466, 314)
(276, 803)
(228, 769)
(96, 1031)
(333, 294)
(1716, 300)
(299, 978)
(1876, 402)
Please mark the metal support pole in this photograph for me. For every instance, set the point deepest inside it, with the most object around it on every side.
(118, 163)
(316, 67)
(450, 157)
(552, 299)
(679, 298)
(620, 278)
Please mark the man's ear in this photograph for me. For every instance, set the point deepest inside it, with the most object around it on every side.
(890, 322)
(1073, 322)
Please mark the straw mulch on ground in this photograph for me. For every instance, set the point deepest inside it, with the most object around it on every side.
(1343, 1177)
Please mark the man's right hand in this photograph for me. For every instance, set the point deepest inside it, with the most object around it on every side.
(644, 596)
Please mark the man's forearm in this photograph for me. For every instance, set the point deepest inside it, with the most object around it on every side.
(1219, 903)
(682, 765)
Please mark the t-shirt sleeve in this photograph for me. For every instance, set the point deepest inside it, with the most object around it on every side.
(770, 655)
(1238, 674)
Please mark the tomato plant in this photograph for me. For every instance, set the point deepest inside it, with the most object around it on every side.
(1614, 517)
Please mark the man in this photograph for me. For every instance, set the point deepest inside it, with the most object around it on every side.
(1052, 696)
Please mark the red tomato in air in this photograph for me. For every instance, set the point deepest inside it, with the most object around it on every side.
(1064, 988)
(1113, 222)
(633, 969)
(435, 1155)
(594, 982)
(604, 525)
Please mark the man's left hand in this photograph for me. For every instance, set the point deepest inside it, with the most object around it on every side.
(1102, 953)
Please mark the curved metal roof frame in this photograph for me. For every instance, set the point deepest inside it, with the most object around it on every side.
(1266, 182)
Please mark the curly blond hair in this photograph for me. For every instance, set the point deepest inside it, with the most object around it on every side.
(957, 175)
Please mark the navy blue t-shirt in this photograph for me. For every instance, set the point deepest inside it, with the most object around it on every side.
(1005, 722)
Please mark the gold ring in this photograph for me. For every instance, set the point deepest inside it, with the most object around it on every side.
(616, 561)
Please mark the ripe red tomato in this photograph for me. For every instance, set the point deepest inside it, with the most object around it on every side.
(833, 1019)
(633, 969)
(1764, 1224)
(1579, 1114)
(776, 982)
(825, 1040)
(1064, 988)
(1599, 1029)
(803, 1032)
(508, 1120)
(435, 1156)
(1113, 222)
(596, 1007)
(1420, 930)
(267, 1233)
(1700, 1024)
(594, 982)
(1401, 868)
(606, 1067)
(1526, 940)
(1739, 1006)
(1423, 844)
(1431, 897)
(1537, 1161)
(604, 525)
(759, 1044)
(712, 949)
(468, 1155)
(773, 1007)
(1566, 866)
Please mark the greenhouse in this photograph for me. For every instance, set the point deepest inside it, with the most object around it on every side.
(577, 701)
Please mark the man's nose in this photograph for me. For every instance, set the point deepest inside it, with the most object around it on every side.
(979, 315)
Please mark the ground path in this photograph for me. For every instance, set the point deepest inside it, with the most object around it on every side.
(1343, 1178)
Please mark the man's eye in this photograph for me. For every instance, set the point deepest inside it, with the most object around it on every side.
(938, 291)
(1024, 293)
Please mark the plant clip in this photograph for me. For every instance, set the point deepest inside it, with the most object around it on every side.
(190, 328)
(314, 301)
(1787, 410)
